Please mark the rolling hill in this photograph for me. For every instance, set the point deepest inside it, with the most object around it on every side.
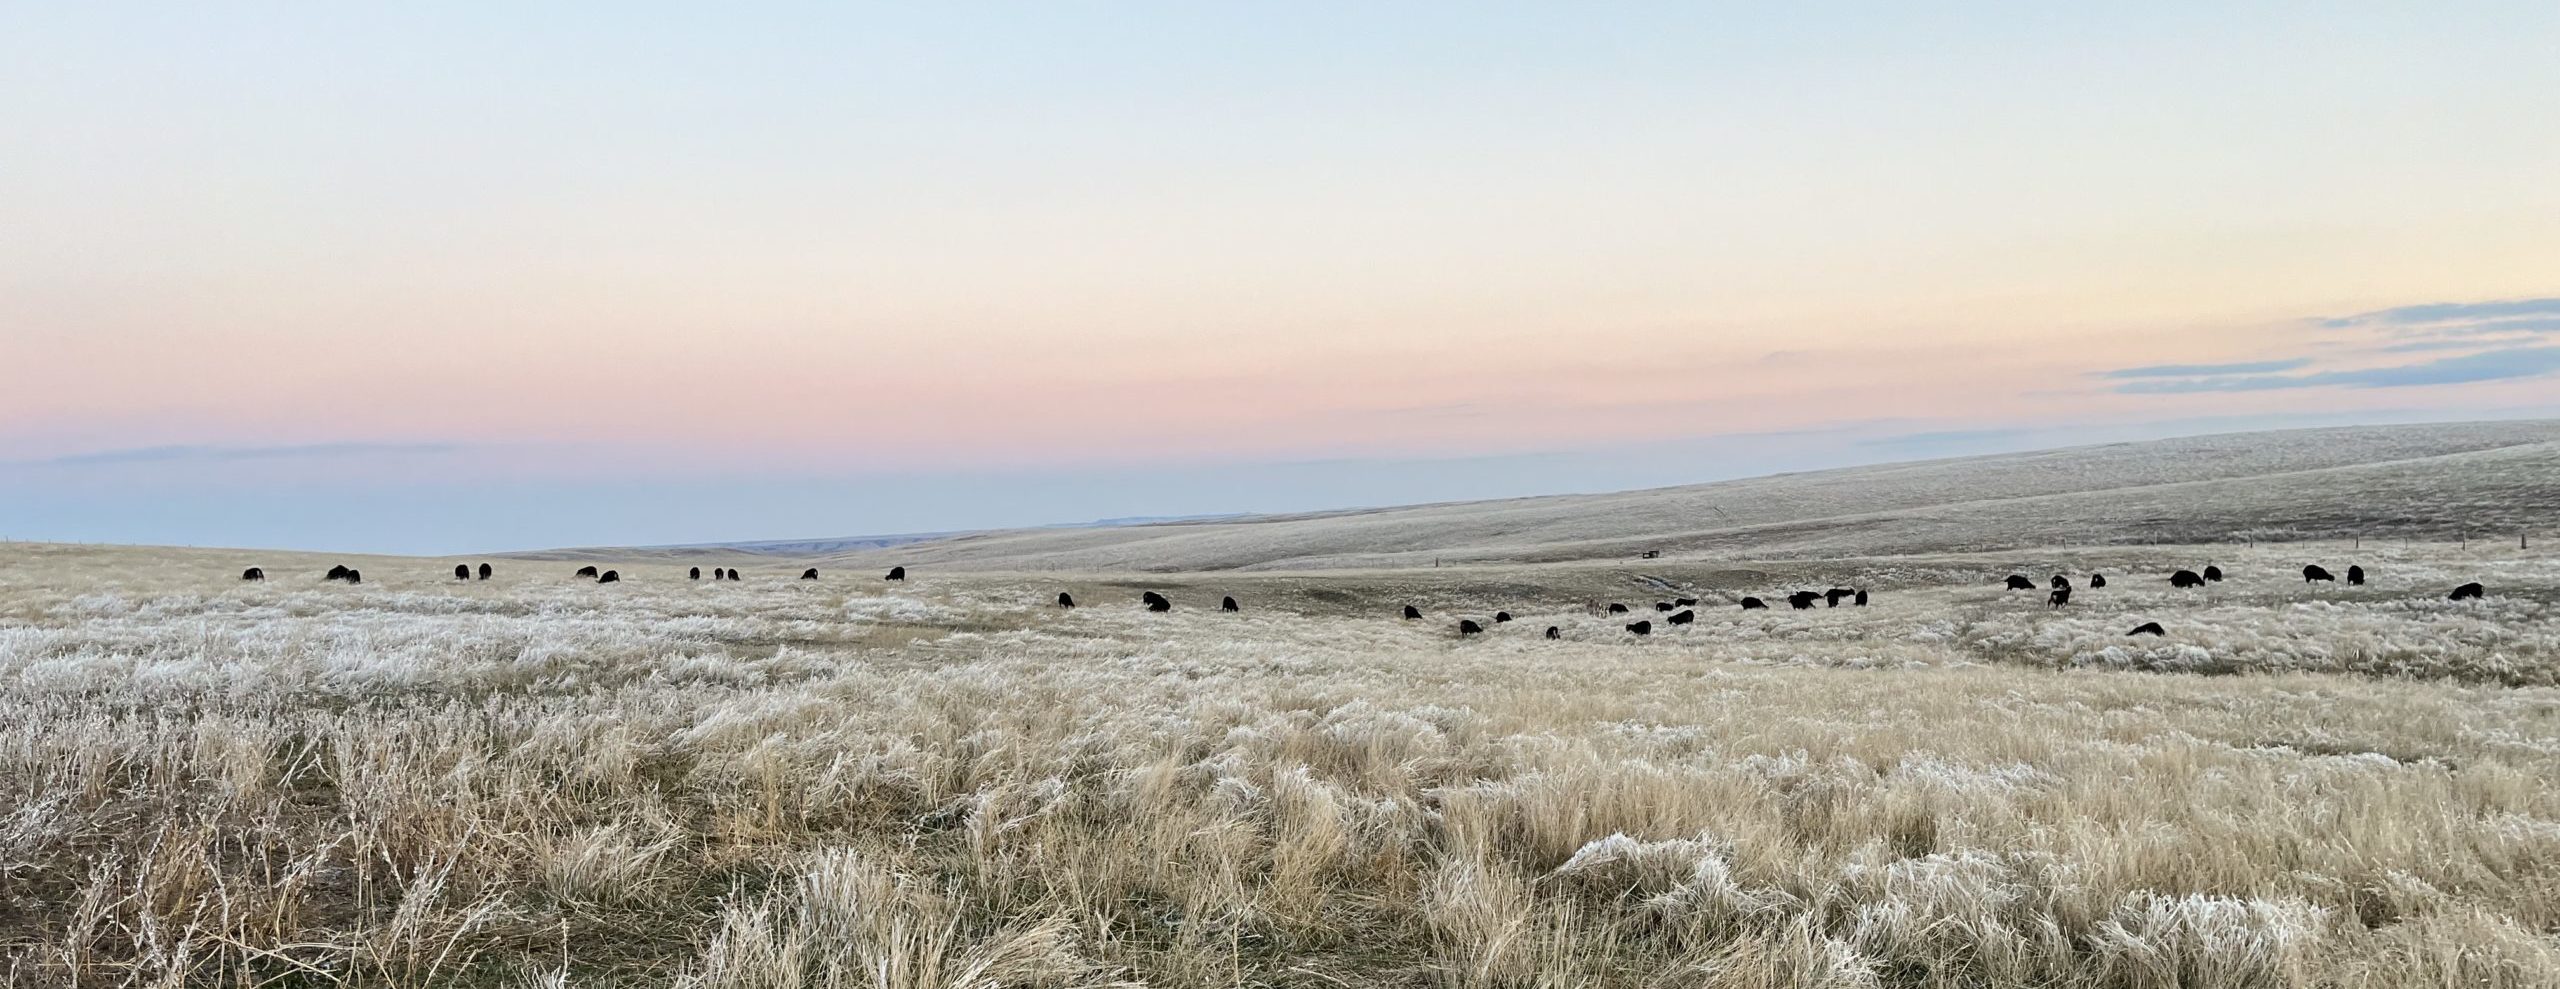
(2440, 480)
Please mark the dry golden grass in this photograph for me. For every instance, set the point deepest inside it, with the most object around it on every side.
(541, 782)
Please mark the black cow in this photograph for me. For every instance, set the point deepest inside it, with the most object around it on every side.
(1663, 606)
(693, 574)
(1685, 602)
(1831, 598)
(485, 571)
(1554, 632)
(1683, 617)
(1860, 600)
(1617, 609)
(2314, 572)
(1468, 626)
(2097, 580)
(1155, 601)
(2059, 581)
(1411, 612)
(253, 573)
(733, 574)
(2213, 574)
(1641, 628)
(1228, 604)
(2060, 596)
(1801, 600)
(354, 576)
(2146, 628)
(338, 572)
(609, 577)
(1500, 617)
(2355, 575)
(1754, 604)
(896, 573)
(2185, 578)
(809, 574)
(586, 571)
(2466, 592)
(1066, 600)
(2019, 582)
(461, 571)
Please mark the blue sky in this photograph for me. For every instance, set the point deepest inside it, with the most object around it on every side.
(473, 276)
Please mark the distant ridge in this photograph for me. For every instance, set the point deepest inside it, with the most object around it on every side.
(2435, 480)
(824, 546)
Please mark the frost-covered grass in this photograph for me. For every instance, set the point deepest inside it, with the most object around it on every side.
(537, 781)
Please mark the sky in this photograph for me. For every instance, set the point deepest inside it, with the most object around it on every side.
(466, 277)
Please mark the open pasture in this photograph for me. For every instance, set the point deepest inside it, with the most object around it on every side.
(538, 780)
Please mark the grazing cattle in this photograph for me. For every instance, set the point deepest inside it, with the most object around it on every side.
(1554, 632)
(586, 571)
(2060, 596)
(2466, 592)
(1468, 626)
(1685, 602)
(253, 573)
(1801, 600)
(1860, 600)
(1641, 628)
(355, 576)
(2213, 574)
(733, 574)
(1662, 606)
(1411, 612)
(1500, 617)
(2146, 628)
(2355, 575)
(2314, 572)
(461, 571)
(2097, 580)
(609, 577)
(1831, 598)
(1652, 554)
(1754, 604)
(338, 572)
(1227, 604)
(1617, 609)
(896, 573)
(2185, 578)
(2059, 581)
(1683, 617)
(809, 574)
(485, 571)
(2019, 582)
(1155, 601)
(693, 574)
(1066, 600)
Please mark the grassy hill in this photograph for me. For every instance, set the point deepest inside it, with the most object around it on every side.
(2433, 481)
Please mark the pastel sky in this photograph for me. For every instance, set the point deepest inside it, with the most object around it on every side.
(457, 277)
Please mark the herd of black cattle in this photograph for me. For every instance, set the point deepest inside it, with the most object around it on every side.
(1678, 611)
